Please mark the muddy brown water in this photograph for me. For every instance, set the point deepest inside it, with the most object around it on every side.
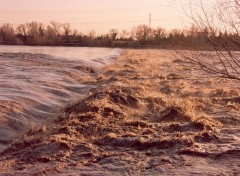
(148, 113)
(35, 82)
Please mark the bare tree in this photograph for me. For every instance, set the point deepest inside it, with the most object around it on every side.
(54, 32)
(75, 33)
(34, 32)
(142, 33)
(125, 35)
(113, 33)
(214, 20)
(158, 34)
(92, 34)
(67, 29)
(55, 28)
(21, 31)
(7, 33)
(67, 32)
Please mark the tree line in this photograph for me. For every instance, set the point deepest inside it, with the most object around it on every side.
(62, 34)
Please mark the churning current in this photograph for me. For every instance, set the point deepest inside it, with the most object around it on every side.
(36, 81)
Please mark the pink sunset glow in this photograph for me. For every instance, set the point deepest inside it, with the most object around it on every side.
(95, 14)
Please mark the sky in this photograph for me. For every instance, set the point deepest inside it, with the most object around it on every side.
(100, 15)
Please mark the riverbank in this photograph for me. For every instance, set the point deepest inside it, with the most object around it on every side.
(151, 113)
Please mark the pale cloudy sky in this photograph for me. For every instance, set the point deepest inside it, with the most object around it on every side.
(100, 15)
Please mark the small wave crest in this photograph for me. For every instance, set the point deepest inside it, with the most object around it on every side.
(34, 86)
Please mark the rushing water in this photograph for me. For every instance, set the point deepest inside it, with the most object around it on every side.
(35, 81)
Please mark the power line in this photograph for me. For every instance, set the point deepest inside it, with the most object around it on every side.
(112, 22)
(84, 11)
(130, 21)
(150, 20)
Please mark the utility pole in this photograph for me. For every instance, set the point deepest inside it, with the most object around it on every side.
(150, 20)
(150, 25)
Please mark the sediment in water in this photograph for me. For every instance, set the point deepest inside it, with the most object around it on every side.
(146, 116)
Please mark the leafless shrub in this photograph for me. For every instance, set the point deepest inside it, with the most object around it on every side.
(220, 22)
